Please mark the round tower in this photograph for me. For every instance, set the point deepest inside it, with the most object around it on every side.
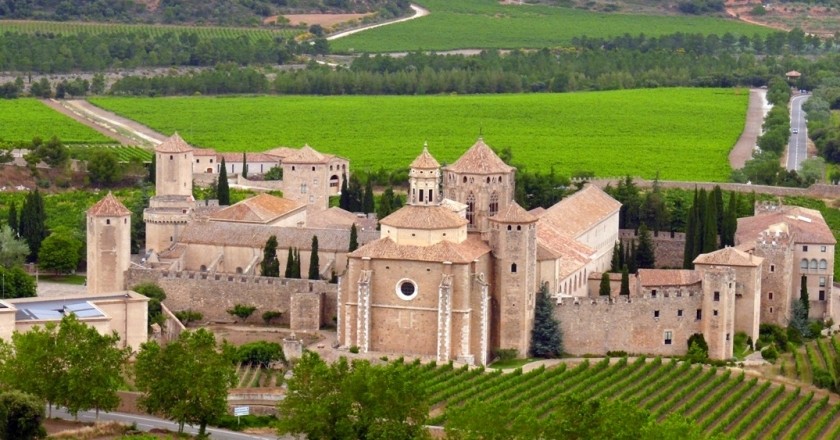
(108, 245)
(424, 180)
(513, 240)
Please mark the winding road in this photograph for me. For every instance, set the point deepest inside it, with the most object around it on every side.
(418, 12)
(798, 143)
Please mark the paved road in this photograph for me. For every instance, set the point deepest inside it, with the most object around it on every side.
(146, 423)
(418, 12)
(798, 144)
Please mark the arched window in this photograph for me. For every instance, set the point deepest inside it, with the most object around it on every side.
(803, 264)
(471, 209)
(494, 203)
(513, 268)
(518, 227)
(823, 265)
(813, 264)
(465, 179)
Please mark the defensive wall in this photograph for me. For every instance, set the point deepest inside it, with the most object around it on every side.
(669, 247)
(305, 305)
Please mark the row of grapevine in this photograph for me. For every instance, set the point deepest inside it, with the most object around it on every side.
(123, 153)
(58, 27)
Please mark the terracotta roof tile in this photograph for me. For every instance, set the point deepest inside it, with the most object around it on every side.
(729, 256)
(387, 249)
(250, 157)
(425, 161)
(173, 144)
(261, 208)
(805, 225)
(255, 236)
(553, 244)
(281, 152)
(537, 212)
(424, 217)
(307, 154)
(204, 152)
(109, 206)
(667, 277)
(332, 218)
(580, 211)
(513, 214)
(480, 159)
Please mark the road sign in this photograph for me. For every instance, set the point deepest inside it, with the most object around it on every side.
(241, 410)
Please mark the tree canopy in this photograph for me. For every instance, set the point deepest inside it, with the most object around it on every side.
(546, 336)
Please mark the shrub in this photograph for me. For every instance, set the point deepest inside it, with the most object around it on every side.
(242, 311)
(156, 296)
(269, 315)
(354, 349)
(187, 316)
(822, 378)
(260, 353)
(771, 333)
(816, 327)
(770, 353)
(234, 423)
(617, 354)
(507, 354)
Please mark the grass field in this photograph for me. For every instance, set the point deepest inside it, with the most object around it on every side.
(488, 24)
(685, 134)
(71, 28)
(23, 119)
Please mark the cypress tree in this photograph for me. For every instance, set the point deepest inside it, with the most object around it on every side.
(314, 264)
(296, 266)
(270, 266)
(631, 258)
(33, 222)
(625, 282)
(385, 203)
(803, 296)
(344, 197)
(152, 170)
(718, 198)
(621, 259)
(604, 289)
(223, 190)
(367, 198)
(645, 254)
(710, 229)
(690, 230)
(546, 336)
(700, 229)
(13, 218)
(615, 263)
(244, 166)
(730, 222)
(290, 264)
(354, 239)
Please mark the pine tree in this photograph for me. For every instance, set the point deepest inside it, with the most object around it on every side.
(314, 264)
(344, 197)
(270, 266)
(354, 239)
(244, 166)
(604, 288)
(625, 282)
(223, 190)
(290, 264)
(367, 198)
(546, 337)
(13, 218)
(645, 254)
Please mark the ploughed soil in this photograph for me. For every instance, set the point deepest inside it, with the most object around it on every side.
(238, 334)
(325, 20)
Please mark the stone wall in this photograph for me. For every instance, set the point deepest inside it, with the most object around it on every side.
(213, 294)
(637, 325)
(817, 190)
(669, 247)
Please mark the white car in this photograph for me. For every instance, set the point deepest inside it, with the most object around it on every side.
(795, 131)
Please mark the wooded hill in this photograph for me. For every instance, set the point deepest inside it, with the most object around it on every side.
(217, 12)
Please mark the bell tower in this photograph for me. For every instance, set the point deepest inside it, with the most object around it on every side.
(424, 180)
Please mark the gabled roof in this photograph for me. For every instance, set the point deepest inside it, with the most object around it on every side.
(425, 161)
(480, 159)
(580, 211)
(250, 157)
(281, 152)
(668, 277)
(173, 144)
(805, 225)
(306, 154)
(204, 152)
(109, 206)
(513, 214)
(331, 218)
(262, 208)
(424, 217)
(729, 256)
(256, 235)
(386, 249)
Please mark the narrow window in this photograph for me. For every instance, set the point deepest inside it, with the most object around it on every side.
(727, 336)
(805, 248)
(108, 221)
(770, 295)
(471, 208)
(699, 314)
(313, 168)
(494, 204)
(421, 195)
(717, 296)
(822, 281)
(714, 312)
(656, 313)
(822, 248)
(431, 195)
(679, 313)
(772, 268)
(668, 337)
(518, 227)
(510, 227)
(653, 293)
(822, 295)
(513, 268)
(803, 265)
(771, 310)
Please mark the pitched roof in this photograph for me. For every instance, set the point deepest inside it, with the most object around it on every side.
(386, 249)
(729, 256)
(332, 218)
(306, 154)
(425, 161)
(250, 157)
(424, 217)
(480, 159)
(805, 225)
(261, 208)
(204, 152)
(281, 152)
(668, 277)
(109, 206)
(580, 211)
(255, 236)
(173, 144)
(513, 214)
(553, 244)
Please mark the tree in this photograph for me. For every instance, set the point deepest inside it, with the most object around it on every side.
(13, 251)
(270, 265)
(103, 167)
(242, 311)
(33, 219)
(16, 283)
(354, 239)
(223, 189)
(645, 253)
(730, 221)
(259, 353)
(314, 264)
(186, 381)
(344, 197)
(625, 281)
(546, 337)
(53, 153)
(296, 266)
(604, 288)
(690, 234)
(244, 165)
(60, 252)
(367, 198)
(14, 220)
(152, 170)
(386, 203)
(358, 401)
(803, 295)
(21, 416)
(156, 296)
(290, 264)
(615, 262)
(710, 228)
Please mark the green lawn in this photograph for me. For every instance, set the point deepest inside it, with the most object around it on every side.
(685, 134)
(459, 24)
(24, 118)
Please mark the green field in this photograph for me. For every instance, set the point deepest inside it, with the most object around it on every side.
(487, 24)
(23, 119)
(685, 134)
(71, 28)
(123, 153)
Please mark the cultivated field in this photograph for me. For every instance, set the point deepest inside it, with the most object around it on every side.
(685, 134)
(61, 27)
(22, 119)
(720, 401)
(488, 24)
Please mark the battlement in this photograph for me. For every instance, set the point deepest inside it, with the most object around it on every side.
(166, 216)
(298, 284)
(659, 298)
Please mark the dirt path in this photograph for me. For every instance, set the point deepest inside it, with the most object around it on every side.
(126, 131)
(418, 12)
(742, 151)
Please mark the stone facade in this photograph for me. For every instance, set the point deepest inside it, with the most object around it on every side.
(669, 247)
(311, 177)
(108, 245)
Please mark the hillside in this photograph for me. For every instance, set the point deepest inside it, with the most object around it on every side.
(216, 12)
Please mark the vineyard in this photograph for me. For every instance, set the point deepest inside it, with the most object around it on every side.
(250, 376)
(489, 24)
(719, 401)
(814, 362)
(123, 153)
(72, 28)
(23, 119)
(684, 134)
